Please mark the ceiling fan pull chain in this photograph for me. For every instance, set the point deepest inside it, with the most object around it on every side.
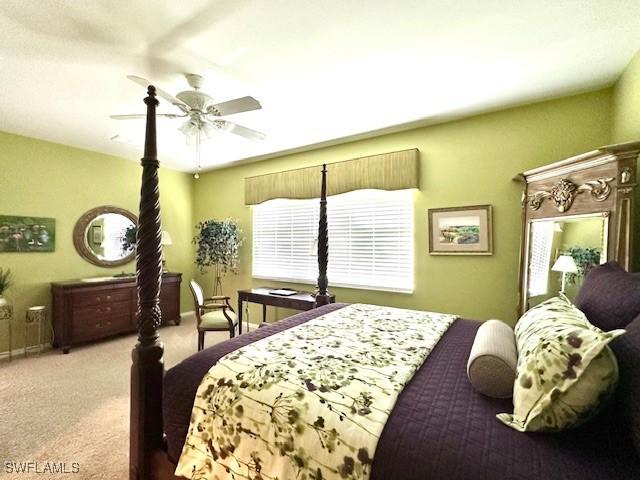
(197, 174)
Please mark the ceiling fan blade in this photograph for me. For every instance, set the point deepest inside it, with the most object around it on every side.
(242, 131)
(144, 116)
(167, 96)
(243, 104)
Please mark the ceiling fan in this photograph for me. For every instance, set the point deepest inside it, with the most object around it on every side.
(203, 116)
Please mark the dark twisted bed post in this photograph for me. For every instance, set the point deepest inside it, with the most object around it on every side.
(323, 297)
(147, 370)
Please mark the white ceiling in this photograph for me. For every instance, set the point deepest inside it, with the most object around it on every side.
(322, 69)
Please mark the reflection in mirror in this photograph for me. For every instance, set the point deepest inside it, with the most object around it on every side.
(561, 253)
(107, 236)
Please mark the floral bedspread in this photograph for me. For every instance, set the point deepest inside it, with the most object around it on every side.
(308, 403)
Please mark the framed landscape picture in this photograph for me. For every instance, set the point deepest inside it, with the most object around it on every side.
(461, 230)
(27, 234)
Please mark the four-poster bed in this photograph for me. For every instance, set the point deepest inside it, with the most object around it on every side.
(439, 427)
(147, 449)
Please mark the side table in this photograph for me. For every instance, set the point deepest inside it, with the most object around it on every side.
(35, 316)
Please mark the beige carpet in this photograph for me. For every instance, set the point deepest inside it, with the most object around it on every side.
(75, 407)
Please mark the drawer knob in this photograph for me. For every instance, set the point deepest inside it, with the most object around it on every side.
(108, 297)
(98, 299)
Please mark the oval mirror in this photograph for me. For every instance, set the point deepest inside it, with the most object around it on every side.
(105, 236)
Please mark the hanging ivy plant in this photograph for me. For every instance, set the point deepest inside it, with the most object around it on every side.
(217, 244)
(586, 258)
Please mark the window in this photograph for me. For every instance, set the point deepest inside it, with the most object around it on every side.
(370, 240)
(541, 245)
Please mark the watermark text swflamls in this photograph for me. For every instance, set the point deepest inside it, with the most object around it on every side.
(41, 467)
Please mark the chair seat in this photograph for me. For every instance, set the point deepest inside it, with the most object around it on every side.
(216, 320)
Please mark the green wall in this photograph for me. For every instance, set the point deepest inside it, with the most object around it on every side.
(44, 179)
(626, 104)
(464, 162)
(626, 125)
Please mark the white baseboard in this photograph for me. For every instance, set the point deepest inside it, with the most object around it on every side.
(188, 313)
(31, 350)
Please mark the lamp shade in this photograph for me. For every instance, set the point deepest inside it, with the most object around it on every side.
(565, 264)
(166, 238)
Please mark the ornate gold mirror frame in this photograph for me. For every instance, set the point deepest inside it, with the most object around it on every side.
(600, 182)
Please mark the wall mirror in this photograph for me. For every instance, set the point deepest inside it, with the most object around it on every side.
(105, 236)
(561, 252)
(576, 214)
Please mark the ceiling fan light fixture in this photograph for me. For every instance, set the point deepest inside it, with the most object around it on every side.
(208, 130)
(203, 114)
(188, 128)
(196, 100)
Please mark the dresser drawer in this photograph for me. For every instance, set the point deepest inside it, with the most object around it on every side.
(101, 320)
(99, 297)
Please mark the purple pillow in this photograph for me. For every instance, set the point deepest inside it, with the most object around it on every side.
(627, 351)
(610, 296)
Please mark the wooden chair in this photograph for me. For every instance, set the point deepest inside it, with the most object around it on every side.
(212, 315)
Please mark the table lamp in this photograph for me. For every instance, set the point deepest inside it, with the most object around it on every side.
(165, 240)
(564, 264)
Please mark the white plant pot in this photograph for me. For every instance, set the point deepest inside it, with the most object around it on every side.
(6, 308)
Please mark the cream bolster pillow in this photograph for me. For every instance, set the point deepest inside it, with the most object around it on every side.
(492, 363)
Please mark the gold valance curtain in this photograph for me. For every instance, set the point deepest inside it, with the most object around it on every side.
(387, 171)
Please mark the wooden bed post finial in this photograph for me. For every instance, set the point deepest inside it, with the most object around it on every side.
(147, 370)
(323, 297)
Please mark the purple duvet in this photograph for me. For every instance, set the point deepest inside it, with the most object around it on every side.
(440, 428)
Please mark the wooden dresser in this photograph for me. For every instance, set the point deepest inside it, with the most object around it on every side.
(84, 311)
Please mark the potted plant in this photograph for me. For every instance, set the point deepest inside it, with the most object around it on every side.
(129, 239)
(6, 308)
(217, 244)
(586, 258)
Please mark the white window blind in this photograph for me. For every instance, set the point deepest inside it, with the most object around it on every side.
(370, 240)
(541, 245)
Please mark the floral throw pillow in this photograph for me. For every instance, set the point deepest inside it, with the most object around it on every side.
(565, 373)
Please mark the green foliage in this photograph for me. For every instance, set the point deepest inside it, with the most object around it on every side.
(5, 280)
(586, 258)
(129, 239)
(217, 244)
